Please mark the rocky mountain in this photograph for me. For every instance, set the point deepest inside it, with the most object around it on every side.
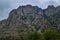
(30, 18)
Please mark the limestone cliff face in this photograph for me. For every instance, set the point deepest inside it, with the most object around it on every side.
(25, 15)
(32, 16)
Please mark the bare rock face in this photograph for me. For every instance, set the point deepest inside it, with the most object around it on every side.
(50, 10)
(25, 15)
(32, 16)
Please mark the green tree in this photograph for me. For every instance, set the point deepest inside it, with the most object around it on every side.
(51, 34)
(35, 36)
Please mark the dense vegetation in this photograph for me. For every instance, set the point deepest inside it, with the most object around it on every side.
(49, 34)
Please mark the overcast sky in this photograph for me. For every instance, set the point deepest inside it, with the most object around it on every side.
(7, 5)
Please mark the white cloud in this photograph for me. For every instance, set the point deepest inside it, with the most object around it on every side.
(43, 1)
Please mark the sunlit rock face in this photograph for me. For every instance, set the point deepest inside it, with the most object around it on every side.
(33, 16)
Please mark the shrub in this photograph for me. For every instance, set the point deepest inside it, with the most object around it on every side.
(35, 36)
(51, 34)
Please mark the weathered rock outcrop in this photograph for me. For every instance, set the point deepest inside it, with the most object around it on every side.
(32, 16)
